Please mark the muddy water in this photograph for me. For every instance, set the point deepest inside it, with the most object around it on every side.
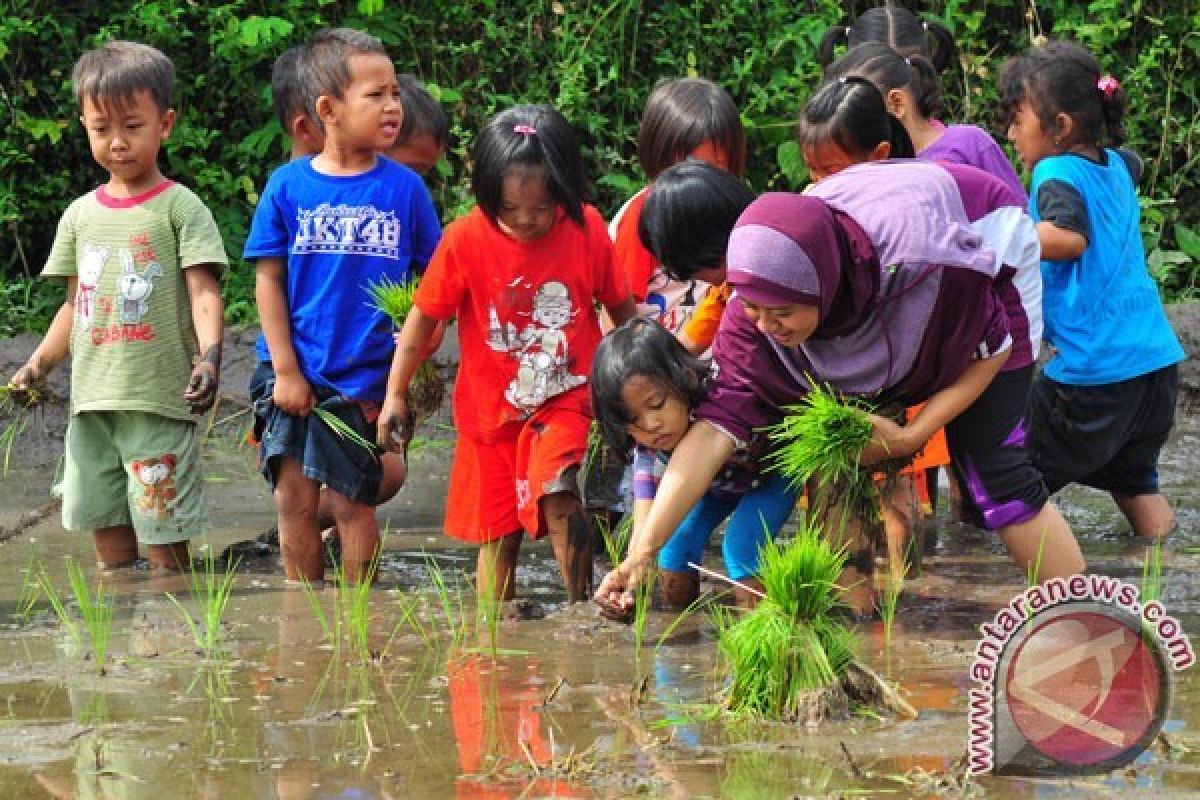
(564, 706)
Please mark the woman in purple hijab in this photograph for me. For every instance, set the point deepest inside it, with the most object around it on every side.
(883, 291)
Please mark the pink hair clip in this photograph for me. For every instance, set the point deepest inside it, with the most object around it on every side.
(528, 130)
(1108, 84)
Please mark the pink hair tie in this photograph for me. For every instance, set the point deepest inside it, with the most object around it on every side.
(1108, 84)
(528, 130)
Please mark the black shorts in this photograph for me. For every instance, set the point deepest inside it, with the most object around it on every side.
(1001, 486)
(1105, 436)
(325, 455)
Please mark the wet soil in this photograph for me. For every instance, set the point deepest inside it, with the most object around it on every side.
(563, 706)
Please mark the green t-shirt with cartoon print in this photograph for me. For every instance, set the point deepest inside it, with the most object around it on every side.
(132, 341)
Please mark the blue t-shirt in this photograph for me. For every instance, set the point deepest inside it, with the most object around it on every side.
(339, 234)
(1102, 310)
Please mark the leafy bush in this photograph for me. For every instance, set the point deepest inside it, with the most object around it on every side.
(596, 61)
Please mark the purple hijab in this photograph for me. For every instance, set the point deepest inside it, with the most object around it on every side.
(902, 284)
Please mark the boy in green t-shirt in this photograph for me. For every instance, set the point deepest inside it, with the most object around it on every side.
(143, 321)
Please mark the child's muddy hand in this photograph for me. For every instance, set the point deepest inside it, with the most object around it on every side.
(25, 377)
(888, 440)
(201, 390)
(293, 394)
(615, 595)
(395, 427)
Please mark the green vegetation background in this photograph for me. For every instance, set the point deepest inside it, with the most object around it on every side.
(596, 60)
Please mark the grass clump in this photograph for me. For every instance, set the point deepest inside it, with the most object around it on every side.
(789, 646)
(427, 389)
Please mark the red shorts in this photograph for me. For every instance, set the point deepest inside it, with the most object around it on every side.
(496, 488)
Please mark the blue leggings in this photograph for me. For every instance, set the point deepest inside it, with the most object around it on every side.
(757, 516)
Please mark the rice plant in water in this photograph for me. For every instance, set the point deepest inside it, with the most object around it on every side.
(210, 589)
(1152, 584)
(616, 542)
(95, 611)
(427, 390)
(789, 644)
(31, 587)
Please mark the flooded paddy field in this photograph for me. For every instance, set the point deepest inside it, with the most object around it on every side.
(434, 704)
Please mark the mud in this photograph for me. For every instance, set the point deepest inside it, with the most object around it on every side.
(563, 706)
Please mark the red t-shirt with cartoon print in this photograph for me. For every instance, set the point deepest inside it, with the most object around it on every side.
(527, 322)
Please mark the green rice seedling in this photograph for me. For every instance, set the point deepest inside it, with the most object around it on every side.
(95, 611)
(643, 597)
(1152, 583)
(886, 604)
(331, 624)
(353, 603)
(15, 405)
(616, 542)
(31, 587)
(427, 389)
(65, 618)
(211, 590)
(823, 437)
(801, 576)
(489, 605)
(342, 429)
(450, 601)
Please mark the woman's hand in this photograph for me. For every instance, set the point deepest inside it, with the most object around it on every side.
(888, 440)
(26, 377)
(293, 394)
(615, 596)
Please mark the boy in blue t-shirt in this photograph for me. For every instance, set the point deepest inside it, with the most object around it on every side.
(325, 228)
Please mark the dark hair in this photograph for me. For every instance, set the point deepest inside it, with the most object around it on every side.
(898, 28)
(529, 136)
(287, 89)
(325, 67)
(1064, 78)
(118, 70)
(681, 115)
(888, 70)
(850, 112)
(689, 213)
(422, 113)
(640, 347)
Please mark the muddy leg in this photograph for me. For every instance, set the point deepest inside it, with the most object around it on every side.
(174, 557)
(115, 547)
(296, 500)
(359, 532)
(903, 523)
(843, 528)
(571, 538)
(1150, 515)
(1044, 546)
(745, 599)
(678, 589)
(496, 568)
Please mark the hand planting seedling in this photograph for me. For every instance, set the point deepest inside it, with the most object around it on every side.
(15, 404)
(427, 389)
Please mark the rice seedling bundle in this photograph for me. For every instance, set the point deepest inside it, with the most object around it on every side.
(789, 650)
(822, 438)
(427, 389)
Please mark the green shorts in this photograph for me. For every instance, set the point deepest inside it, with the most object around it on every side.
(132, 468)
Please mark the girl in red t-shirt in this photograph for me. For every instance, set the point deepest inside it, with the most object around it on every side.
(522, 273)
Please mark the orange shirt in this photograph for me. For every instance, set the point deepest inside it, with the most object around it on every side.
(527, 323)
(702, 327)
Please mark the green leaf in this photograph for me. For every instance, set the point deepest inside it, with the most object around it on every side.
(257, 31)
(791, 162)
(1188, 240)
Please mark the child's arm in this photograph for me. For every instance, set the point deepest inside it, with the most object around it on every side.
(292, 392)
(889, 440)
(208, 317)
(394, 426)
(1060, 244)
(622, 312)
(54, 347)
